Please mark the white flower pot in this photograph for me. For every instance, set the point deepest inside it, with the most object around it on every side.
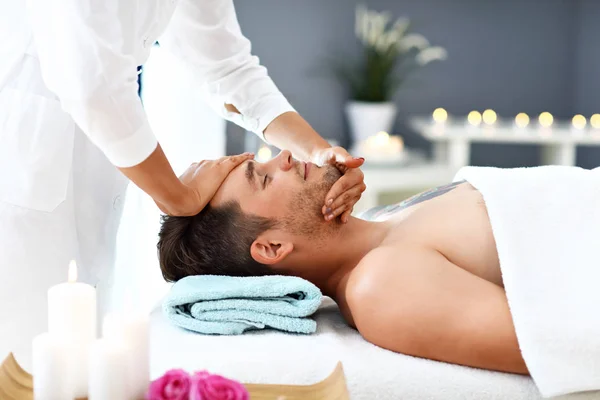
(366, 119)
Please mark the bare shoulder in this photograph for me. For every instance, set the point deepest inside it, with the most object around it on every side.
(410, 299)
(386, 266)
(384, 274)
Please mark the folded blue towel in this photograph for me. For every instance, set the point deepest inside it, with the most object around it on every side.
(226, 305)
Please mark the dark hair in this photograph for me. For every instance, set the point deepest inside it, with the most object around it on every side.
(215, 242)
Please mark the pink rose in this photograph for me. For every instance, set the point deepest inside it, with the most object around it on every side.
(173, 385)
(206, 386)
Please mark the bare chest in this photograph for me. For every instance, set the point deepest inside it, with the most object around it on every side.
(456, 225)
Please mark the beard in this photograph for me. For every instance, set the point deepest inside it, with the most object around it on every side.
(305, 216)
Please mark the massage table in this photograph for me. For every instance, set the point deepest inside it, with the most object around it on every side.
(371, 372)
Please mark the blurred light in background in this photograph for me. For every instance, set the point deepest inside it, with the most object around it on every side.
(489, 117)
(546, 119)
(381, 139)
(264, 154)
(579, 121)
(595, 121)
(474, 118)
(522, 120)
(440, 115)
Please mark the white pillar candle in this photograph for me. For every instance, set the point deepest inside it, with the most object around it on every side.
(72, 318)
(50, 368)
(132, 330)
(108, 378)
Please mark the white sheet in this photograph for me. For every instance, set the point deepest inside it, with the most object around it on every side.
(372, 373)
(546, 224)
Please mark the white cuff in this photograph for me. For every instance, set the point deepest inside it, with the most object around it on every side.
(262, 115)
(269, 110)
(132, 150)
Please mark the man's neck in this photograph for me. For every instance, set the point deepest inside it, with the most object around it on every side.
(339, 254)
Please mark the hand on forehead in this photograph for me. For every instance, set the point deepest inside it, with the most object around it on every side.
(234, 185)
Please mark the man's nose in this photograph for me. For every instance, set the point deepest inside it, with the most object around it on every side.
(285, 160)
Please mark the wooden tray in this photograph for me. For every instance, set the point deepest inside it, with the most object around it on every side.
(17, 384)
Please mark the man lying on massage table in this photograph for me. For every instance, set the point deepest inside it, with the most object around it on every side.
(421, 277)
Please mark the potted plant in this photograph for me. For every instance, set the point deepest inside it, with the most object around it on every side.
(390, 54)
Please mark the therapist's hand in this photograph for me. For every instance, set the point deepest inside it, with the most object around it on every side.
(201, 181)
(344, 194)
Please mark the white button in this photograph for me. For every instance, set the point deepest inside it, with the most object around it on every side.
(145, 42)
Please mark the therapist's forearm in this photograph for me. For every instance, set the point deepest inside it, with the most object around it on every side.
(291, 132)
(155, 176)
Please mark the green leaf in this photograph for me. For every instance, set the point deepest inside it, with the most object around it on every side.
(374, 77)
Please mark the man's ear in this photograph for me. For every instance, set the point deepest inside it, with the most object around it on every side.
(269, 251)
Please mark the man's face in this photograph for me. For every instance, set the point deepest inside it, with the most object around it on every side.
(284, 189)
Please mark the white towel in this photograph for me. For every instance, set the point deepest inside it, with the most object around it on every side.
(372, 373)
(546, 222)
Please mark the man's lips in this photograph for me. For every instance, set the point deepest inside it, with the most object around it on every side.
(304, 168)
(307, 168)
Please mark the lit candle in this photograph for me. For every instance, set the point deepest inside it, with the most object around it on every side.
(381, 140)
(522, 120)
(595, 121)
(546, 119)
(489, 117)
(369, 146)
(72, 318)
(131, 330)
(108, 378)
(396, 145)
(382, 146)
(376, 144)
(474, 118)
(440, 116)
(579, 122)
(50, 368)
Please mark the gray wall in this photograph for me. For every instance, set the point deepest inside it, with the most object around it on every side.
(511, 55)
(586, 75)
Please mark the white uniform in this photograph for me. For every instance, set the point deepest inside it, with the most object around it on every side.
(69, 112)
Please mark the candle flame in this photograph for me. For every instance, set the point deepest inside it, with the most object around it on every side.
(72, 272)
(546, 119)
(595, 121)
(474, 118)
(440, 115)
(522, 120)
(381, 139)
(489, 117)
(579, 121)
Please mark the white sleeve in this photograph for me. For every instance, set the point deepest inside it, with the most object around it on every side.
(85, 53)
(205, 34)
